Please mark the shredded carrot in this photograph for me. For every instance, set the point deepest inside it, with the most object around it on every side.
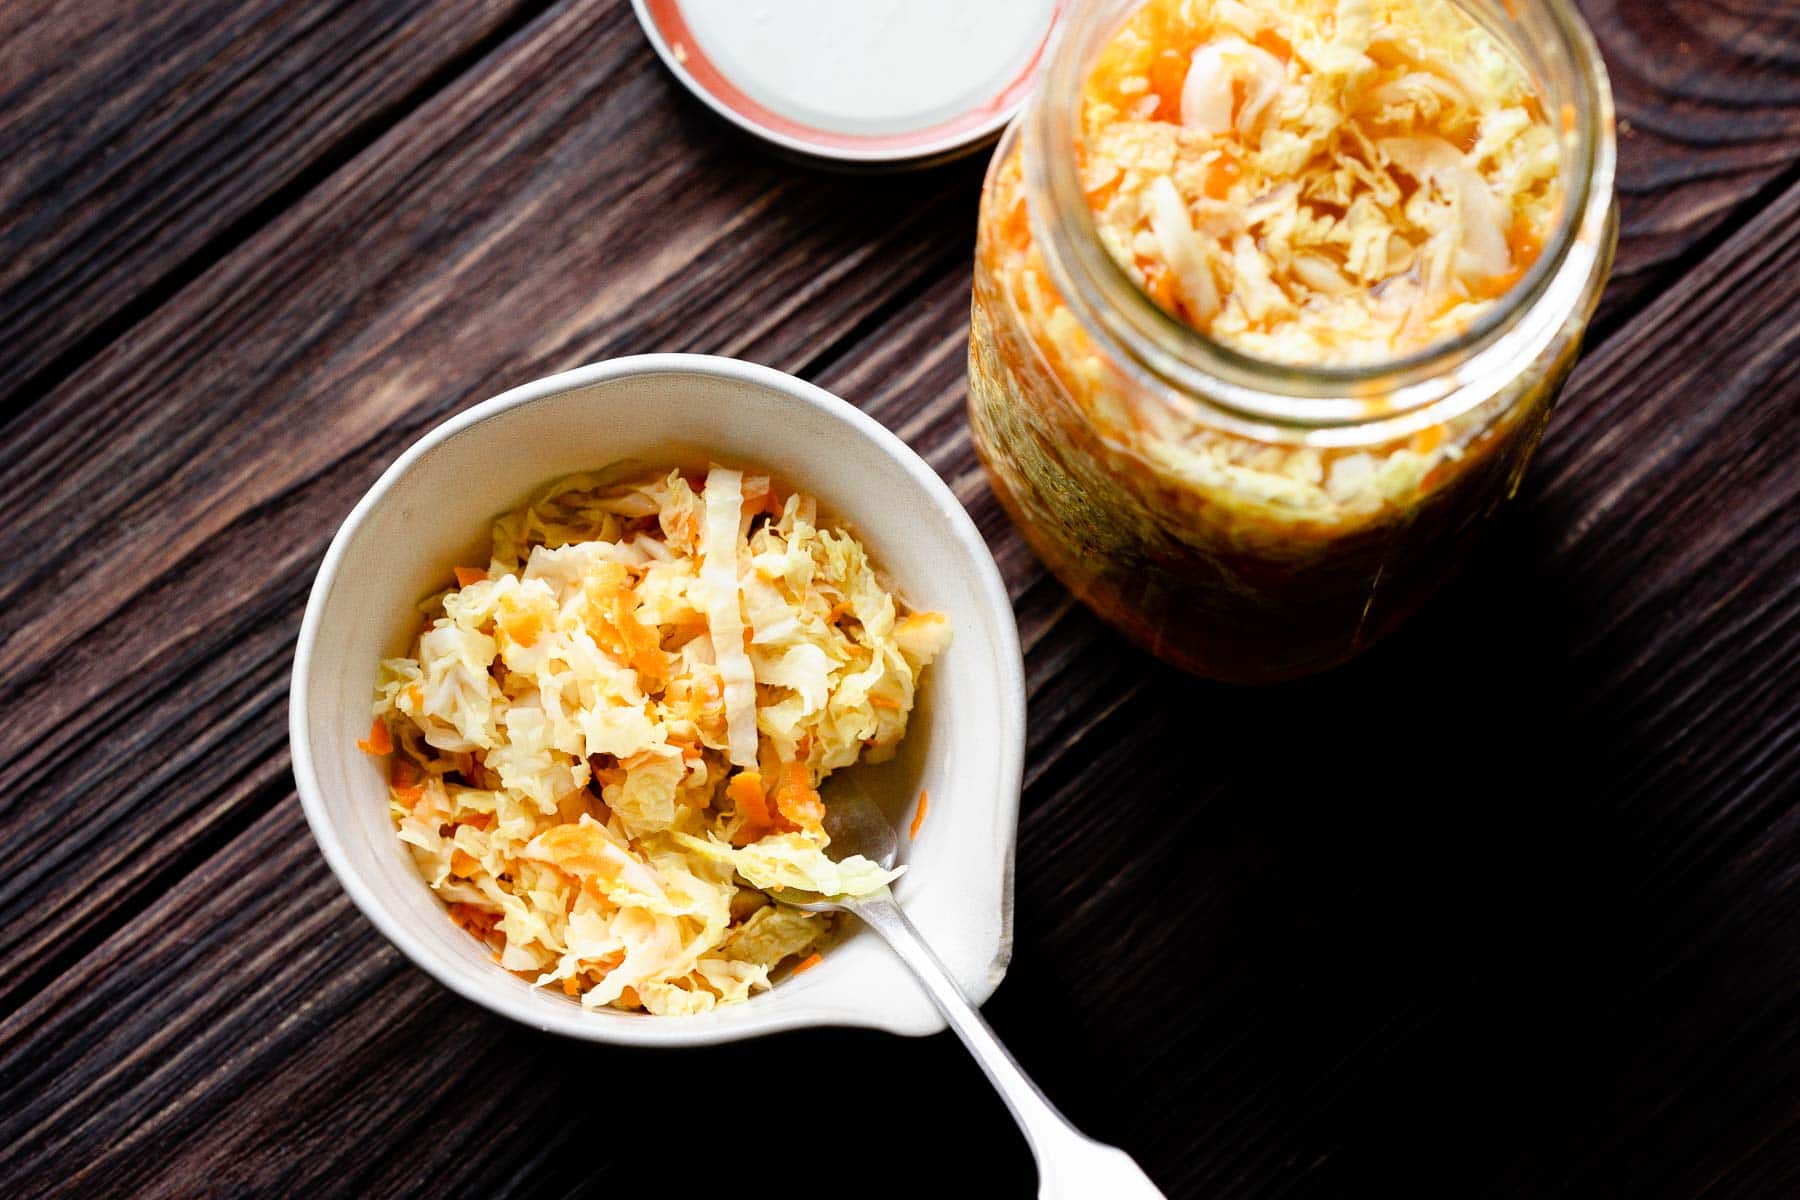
(526, 629)
(1168, 71)
(477, 921)
(379, 741)
(1159, 282)
(612, 605)
(1494, 286)
(462, 863)
(1523, 242)
(1427, 439)
(887, 702)
(402, 773)
(571, 986)
(837, 612)
(1275, 44)
(919, 815)
(796, 798)
(809, 962)
(745, 789)
(467, 575)
(606, 770)
(1220, 175)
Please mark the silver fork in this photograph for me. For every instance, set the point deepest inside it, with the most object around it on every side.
(1070, 1165)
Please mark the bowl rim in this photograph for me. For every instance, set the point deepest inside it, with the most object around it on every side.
(654, 1031)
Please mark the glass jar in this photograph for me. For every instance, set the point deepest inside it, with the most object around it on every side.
(1246, 520)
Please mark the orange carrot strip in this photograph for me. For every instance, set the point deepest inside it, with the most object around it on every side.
(467, 575)
(796, 798)
(809, 962)
(745, 789)
(379, 741)
(524, 628)
(887, 702)
(919, 815)
(475, 920)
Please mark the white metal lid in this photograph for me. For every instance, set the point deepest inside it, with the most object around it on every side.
(859, 81)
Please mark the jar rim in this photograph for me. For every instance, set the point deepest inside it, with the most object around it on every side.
(1305, 394)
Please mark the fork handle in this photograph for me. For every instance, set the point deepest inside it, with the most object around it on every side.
(1071, 1165)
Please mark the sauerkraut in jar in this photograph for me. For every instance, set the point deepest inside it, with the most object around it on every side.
(1272, 300)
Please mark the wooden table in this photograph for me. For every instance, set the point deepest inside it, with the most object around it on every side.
(1511, 907)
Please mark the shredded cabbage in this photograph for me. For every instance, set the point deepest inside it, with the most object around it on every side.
(724, 617)
(785, 860)
(1317, 181)
(610, 739)
(1308, 181)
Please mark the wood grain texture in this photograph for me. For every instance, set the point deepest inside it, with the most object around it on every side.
(137, 137)
(1508, 907)
(277, 386)
(1358, 992)
(1551, 927)
(1708, 98)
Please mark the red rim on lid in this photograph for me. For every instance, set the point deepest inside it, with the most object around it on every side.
(873, 82)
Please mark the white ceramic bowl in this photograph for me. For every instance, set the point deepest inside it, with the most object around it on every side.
(431, 510)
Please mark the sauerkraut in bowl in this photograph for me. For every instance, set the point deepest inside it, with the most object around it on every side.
(606, 742)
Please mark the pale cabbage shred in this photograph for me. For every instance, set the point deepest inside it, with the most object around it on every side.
(1358, 196)
(597, 608)
(1362, 199)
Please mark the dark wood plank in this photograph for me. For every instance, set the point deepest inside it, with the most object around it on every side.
(301, 1124)
(138, 139)
(252, 411)
(1708, 98)
(1493, 895)
(141, 140)
(1594, 883)
(1253, 948)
